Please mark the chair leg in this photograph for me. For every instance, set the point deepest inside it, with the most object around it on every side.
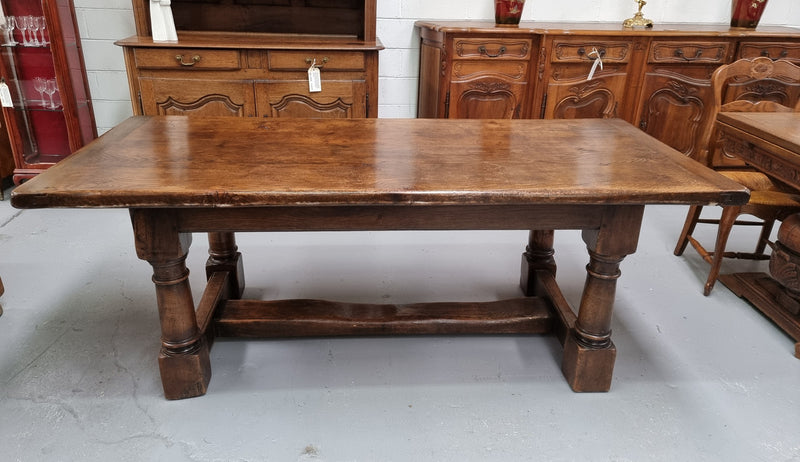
(766, 230)
(726, 221)
(688, 228)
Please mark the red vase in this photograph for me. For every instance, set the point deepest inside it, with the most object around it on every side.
(508, 12)
(747, 13)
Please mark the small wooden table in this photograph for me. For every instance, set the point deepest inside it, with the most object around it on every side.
(180, 175)
(770, 142)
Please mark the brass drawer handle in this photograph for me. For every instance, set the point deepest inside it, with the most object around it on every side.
(680, 54)
(313, 61)
(500, 52)
(783, 54)
(594, 54)
(195, 60)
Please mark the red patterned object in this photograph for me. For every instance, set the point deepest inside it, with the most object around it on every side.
(747, 13)
(508, 12)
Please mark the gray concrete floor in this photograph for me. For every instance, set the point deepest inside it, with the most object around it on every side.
(697, 378)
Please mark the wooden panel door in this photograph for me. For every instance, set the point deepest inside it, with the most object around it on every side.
(676, 90)
(338, 99)
(197, 97)
(586, 78)
(488, 78)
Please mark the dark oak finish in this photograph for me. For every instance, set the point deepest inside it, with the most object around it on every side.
(656, 78)
(251, 58)
(770, 142)
(180, 175)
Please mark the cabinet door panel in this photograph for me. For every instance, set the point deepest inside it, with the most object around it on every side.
(575, 97)
(486, 98)
(674, 108)
(197, 97)
(338, 99)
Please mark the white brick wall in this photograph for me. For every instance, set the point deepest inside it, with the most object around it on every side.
(101, 22)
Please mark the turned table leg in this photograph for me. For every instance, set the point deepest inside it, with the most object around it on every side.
(183, 359)
(538, 256)
(223, 256)
(589, 353)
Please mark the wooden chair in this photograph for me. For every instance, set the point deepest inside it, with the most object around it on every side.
(753, 85)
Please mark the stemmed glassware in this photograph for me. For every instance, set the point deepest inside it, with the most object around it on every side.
(11, 24)
(44, 26)
(51, 88)
(22, 25)
(35, 24)
(39, 84)
(29, 26)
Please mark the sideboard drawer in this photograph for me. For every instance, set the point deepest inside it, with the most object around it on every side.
(480, 48)
(187, 58)
(576, 51)
(689, 52)
(291, 60)
(774, 50)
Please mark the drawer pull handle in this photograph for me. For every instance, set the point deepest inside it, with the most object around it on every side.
(500, 52)
(680, 54)
(594, 54)
(309, 61)
(783, 54)
(195, 60)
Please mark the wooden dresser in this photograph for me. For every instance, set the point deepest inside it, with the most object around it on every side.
(658, 79)
(251, 59)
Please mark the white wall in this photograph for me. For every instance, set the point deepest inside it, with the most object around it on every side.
(103, 21)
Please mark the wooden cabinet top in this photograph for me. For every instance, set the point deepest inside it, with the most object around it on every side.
(606, 28)
(241, 40)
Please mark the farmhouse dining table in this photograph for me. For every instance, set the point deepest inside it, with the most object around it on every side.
(184, 175)
(770, 142)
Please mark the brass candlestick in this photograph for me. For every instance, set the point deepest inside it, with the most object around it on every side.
(638, 20)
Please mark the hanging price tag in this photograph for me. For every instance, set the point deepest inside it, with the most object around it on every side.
(5, 96)
(598, 61)
(314, 79)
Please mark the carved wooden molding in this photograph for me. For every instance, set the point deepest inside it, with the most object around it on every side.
(172, 106)
(289, 100)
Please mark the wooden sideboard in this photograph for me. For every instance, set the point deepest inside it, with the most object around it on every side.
(658, 79)
(251, 59)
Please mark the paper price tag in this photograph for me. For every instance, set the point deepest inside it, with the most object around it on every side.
(598, 61)
(314, 79)
(5, 96)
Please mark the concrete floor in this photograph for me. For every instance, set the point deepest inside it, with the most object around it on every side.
(697, 378)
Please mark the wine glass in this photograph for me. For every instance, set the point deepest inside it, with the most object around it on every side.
(39, 84)
(50, 88)
(22, 25)
(35, 25)
(11, 24)
(44, 26)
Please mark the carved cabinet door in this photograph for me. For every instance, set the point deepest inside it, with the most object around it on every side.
(490, 97)
(576, 97)
(676, 90)
(488, 78)
(291, 98)
(674, 107)
(586, 78)
(162, 96)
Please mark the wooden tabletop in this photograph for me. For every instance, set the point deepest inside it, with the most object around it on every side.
(230, 162)
(779, 128)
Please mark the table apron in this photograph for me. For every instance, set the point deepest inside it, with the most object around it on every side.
(394, 217)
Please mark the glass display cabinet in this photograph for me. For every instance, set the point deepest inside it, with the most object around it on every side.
(43, 88)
